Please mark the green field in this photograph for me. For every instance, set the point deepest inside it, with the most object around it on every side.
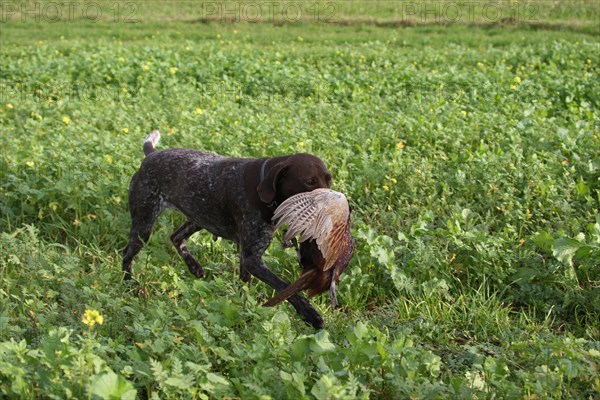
(469, 149)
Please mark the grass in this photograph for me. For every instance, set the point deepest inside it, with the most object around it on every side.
(575, 15)
(469, 153)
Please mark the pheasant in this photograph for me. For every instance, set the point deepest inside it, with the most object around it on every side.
(322, 220)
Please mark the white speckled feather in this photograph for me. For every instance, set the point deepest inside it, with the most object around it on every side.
(322, 215)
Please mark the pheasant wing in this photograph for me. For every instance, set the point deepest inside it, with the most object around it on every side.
(298, 212)
(321, 214)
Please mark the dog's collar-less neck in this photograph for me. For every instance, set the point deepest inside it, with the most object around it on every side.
(263, 172)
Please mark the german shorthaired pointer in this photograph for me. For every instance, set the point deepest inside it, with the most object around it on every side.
(233, 198)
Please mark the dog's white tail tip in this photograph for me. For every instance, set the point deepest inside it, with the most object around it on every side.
(151, 141)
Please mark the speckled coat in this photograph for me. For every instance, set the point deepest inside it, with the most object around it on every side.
(232, 198)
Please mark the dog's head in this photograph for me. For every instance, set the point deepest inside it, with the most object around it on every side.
(292, 175)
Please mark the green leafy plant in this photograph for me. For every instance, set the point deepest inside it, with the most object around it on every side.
(469, 156)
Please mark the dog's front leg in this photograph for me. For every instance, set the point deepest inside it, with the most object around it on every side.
(254, 265)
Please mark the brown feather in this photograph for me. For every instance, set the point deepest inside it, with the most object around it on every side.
(322, 220)
(323, 215)
(298, 285)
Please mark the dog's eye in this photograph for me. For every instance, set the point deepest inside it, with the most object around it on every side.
(311, 182)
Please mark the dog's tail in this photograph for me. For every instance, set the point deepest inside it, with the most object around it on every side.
(151, 141)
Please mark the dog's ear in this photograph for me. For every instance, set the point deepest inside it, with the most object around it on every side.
(268, 186)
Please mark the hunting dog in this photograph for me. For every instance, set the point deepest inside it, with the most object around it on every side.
(232, 198)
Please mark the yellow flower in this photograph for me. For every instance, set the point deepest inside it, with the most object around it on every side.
(29, 163)
(277, 62)
(400, 145)
(108, 158)
(386, 187)
(301, 144)
(66, 120)
(9, 106)
(92, 317)
(464, 113)
(146, 67)
(125, 130)
(173, 70)
(121, 59)
(199, 111)
(513, 87)
(517, 79)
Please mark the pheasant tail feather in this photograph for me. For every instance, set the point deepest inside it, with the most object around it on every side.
(292, 289)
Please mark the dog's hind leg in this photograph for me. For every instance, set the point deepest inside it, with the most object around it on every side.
(179, 238)
(142, 221)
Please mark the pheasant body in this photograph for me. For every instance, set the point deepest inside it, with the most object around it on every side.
(322, 220)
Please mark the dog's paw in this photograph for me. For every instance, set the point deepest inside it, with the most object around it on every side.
(199, 273)
(196, 270)
(307, 312)
(245, 276)
(135, 288)
(127, 275)
(314, 319)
